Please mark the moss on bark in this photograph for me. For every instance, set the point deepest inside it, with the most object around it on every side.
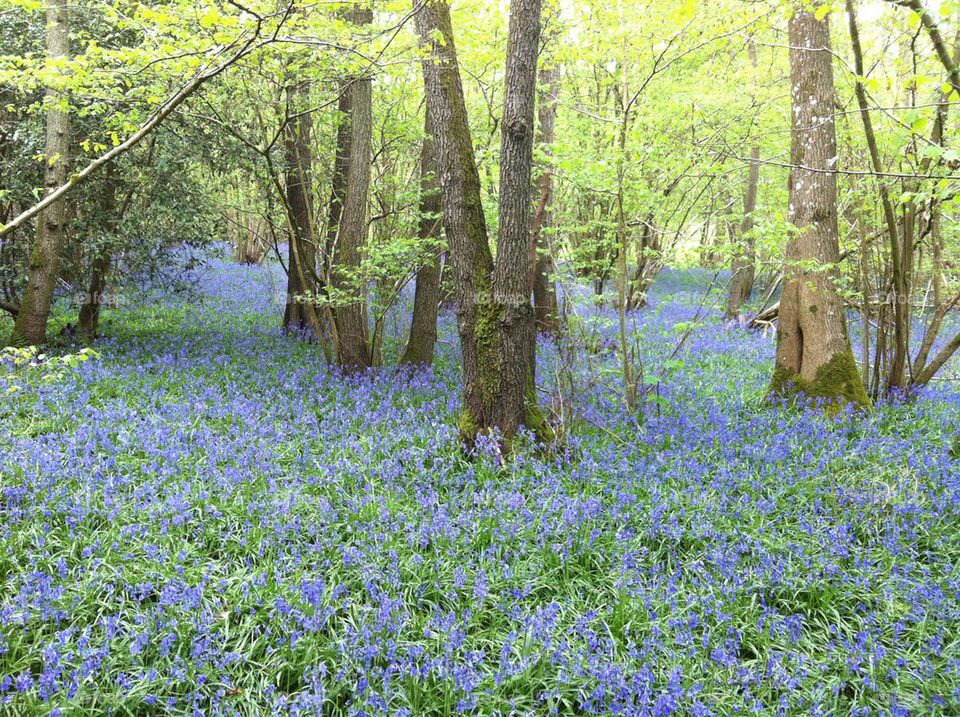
(489, 317)
(468, 426)
(536, 419)
(836, 382)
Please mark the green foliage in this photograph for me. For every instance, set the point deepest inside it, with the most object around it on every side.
(30, 365)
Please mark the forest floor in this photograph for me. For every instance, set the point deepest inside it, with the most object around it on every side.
(207, 520)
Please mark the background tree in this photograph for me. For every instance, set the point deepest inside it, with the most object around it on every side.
(544, 285)
(426, 304)
(743, 268)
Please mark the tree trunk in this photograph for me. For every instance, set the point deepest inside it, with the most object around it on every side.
(494, 312)
(89, 320)
(813, 348)
(102, 263)
(350, 316)
(298, 183)
(426, 302)
(249, 241)
(544, 288)
(743, 267)
(338, 182)
(31, 324)
(511, 276)
(649, 263)
(901, 248)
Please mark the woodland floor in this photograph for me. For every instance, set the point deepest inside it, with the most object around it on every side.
(207, 520)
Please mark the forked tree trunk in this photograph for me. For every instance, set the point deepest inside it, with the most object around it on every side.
(426, 302)
(494, 312)
(814, 356)
(544, 287)
(30, 328)
(350, 317)
(298, 182)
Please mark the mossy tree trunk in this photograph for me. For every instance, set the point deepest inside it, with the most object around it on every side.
(350, 316)
(813, 349)
(426, 303)
(544, 287)
(31, 324)
(494, 311)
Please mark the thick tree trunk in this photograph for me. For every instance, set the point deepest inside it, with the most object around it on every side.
(350, 317)
(298, 183)
(511, 275)
(813, 349)
(494, 312)
(426, 302)
(544, 288)
(31, 324)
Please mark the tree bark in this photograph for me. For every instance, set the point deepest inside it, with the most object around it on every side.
(649, 263)
(743, 267)
(494, 312)
(249, 241)
(102, 264)
(544, 289)
(813, 356)
(350, 317)
(30, 328)
(338, 182)
(512, 271)
(901, 250)
(298, 184)
(426, 302)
